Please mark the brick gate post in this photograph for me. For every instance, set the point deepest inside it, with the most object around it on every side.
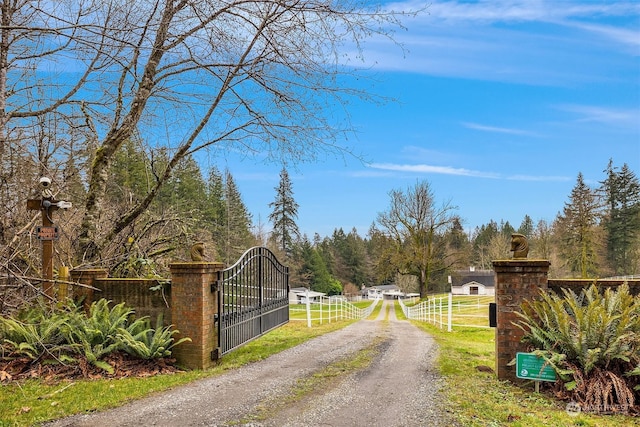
(193, 306)
(87, 276)
(516, 280)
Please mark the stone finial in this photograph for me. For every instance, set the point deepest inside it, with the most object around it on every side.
(519, 246)
(197, 252)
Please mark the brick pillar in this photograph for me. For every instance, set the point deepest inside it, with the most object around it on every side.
(516, 280)
(86, 277)
(193, 307)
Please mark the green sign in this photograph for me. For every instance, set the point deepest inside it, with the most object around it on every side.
(532, 367)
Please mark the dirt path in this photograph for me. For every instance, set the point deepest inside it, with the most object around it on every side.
(399, 388)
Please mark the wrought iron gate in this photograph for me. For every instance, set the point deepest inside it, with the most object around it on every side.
(253, 298)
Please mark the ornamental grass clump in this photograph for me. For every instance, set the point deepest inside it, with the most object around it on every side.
(592, 340)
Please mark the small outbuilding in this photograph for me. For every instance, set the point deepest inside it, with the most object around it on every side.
(473, 282)
(300, 296)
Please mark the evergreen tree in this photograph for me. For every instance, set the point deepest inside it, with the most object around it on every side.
(313, 272)
(458, 243)
(526, 227)
(482, 237)
(284, 215)
(171, 219)
(506, 228)
(326, 250)
(350, 257)
(130, 175)
(237, 233)
(215, 209)
(578, 230)
(184, 193)
(622, 219)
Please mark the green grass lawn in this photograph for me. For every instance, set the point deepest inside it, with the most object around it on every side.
(35, 401)
(480, 399)
(476, 398)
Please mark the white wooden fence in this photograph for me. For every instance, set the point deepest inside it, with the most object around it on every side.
(471, 311)
(328, 309)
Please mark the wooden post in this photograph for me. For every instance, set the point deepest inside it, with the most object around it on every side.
(63, 289)
(47, 234)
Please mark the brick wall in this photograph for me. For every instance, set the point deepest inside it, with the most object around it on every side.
(578, 284)
(186, 302)
(86, 277)
(148, 297)
(516, 280)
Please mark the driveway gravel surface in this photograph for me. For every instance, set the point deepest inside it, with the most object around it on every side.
(401, 387)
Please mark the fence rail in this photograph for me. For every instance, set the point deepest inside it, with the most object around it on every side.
(469, 311)
(329, 309)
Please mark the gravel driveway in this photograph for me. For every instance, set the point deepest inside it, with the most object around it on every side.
(400, 388)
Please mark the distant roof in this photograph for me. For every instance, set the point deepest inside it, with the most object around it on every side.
(305, 292)
(462, 277)
(385, 287)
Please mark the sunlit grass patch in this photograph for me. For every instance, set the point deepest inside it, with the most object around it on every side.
(36, 401)
(478, 398)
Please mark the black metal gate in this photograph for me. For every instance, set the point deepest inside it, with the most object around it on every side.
(253, 298)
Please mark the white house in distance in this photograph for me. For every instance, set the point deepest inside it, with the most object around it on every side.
(473, 282)
(386, 292)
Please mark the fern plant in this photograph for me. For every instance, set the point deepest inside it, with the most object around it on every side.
(143, 341)
(97, 334)
(61, 335)
(35, 334)
(592, 340)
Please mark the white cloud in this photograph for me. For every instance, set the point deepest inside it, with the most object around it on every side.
(608, 116)
(496, 129)
(623, 36)
(518, 10)
(448, 170)
(526, 41)
(427, 169)
(539, 178)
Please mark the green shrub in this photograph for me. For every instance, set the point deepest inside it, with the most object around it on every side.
(35, 333)
(142, 341)
(61, 335)
(96, 335)
(592, 340)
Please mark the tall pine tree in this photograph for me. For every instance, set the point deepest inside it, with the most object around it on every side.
(622, 219)
(284, 215)
(578, 225)
(526, 227)
(215, 210)
(237, 233)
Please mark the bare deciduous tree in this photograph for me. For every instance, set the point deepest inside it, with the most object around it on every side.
(187, 75)
(418, 228)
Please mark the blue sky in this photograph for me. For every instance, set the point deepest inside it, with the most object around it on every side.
(499, 105)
